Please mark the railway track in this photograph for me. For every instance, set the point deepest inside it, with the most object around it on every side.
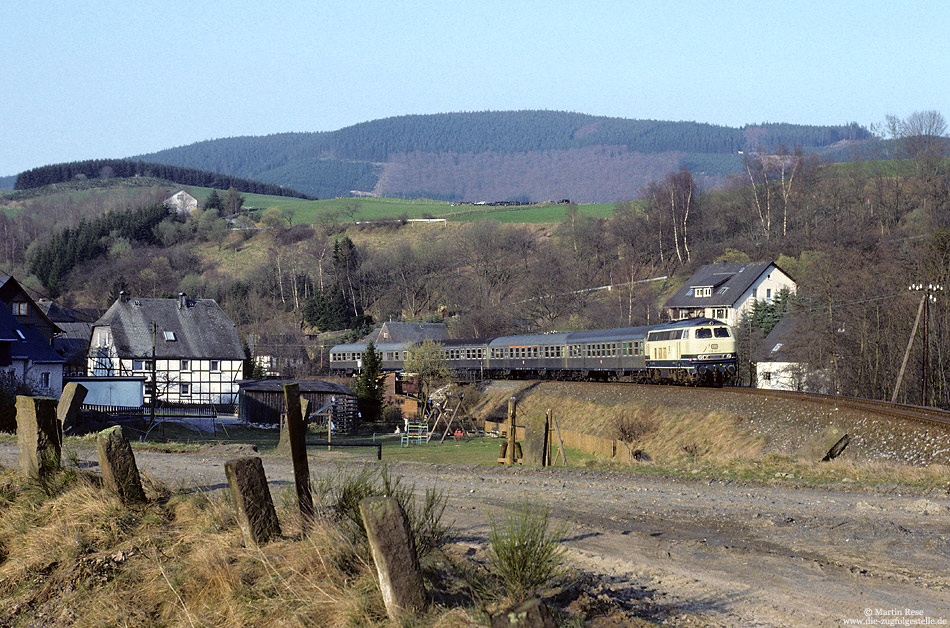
(921, 414)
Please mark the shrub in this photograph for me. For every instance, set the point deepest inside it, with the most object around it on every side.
(10, 387)
(342, 494)
(631, 429)
(524, 555)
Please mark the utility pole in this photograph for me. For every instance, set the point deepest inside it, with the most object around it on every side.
(154, 383)
(929, 297)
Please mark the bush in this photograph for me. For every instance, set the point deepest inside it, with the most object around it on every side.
(342, 494)
(10, 387)
(633, 429)
(524, 555)
(391, 416)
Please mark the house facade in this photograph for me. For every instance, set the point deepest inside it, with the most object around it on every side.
(188, 350)
(26, 341)
(182, 203)
(726, 292)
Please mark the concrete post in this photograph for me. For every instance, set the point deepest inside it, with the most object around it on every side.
(39, 436)
(117, 462)
(255, 508)
(394, 552)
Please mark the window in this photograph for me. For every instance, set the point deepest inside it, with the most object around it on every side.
(704, 332)
(44, 379)
(722, 332)
(767, 376)
(702, 291)
(169, 335)
(186, 365)
(141, 365)
(184, 390)
(768, 293)
(20, 334)
(215, 366)
(719, 313)
(754, 290)
(18, 308)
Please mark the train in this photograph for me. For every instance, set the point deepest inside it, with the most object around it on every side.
(697, 351)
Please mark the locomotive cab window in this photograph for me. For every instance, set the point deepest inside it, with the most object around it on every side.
(721, 332)
(704, 332)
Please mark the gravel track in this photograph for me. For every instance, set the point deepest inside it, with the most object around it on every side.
(681, 552)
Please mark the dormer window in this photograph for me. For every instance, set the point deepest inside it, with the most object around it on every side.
(702, 291)
(18, 308)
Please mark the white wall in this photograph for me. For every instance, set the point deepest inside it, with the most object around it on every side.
(114, 392)
(779, 375)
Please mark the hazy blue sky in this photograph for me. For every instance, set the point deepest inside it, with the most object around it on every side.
(86, 79)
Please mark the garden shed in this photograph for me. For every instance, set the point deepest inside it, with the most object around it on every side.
(262, 400)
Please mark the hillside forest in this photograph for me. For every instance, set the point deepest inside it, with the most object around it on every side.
(854, 235)
(499, 155)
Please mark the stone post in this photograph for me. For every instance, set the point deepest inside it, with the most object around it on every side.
(297, 433)
(39, 436)
(394, 552)
(117, 462)
(69, 404)
(255, 508)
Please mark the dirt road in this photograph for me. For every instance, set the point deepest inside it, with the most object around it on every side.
(693, 553)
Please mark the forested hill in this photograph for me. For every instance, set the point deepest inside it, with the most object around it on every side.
(121, 168)
(503, 155)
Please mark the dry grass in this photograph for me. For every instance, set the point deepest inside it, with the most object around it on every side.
(675, 440)
(714, 434)
(73, 555)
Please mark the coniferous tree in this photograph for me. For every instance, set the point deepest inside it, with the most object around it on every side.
(369, 384)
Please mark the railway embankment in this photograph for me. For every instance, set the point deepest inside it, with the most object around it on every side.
(669, 423)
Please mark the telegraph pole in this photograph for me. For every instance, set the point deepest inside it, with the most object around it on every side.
(929, 297)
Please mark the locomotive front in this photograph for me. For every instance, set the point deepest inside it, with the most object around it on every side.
(695, 351)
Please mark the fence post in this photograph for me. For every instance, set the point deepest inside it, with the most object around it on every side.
(510, 453)
(297, 433)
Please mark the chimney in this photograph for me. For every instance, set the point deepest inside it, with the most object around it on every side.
(123, 296)
(182, 301)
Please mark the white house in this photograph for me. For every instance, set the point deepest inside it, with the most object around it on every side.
(726, 291)
(182, 202)
(188, 349)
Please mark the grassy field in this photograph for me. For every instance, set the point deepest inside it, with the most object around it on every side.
(343, 210)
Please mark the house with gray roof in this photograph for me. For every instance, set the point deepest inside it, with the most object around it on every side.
(188, 350)
(26, 341)
(73, 341)
(400, 332)
(726, 291)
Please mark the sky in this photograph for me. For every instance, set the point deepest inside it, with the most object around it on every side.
(88, 79)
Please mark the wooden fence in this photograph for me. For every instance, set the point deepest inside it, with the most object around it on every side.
(607, 447)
